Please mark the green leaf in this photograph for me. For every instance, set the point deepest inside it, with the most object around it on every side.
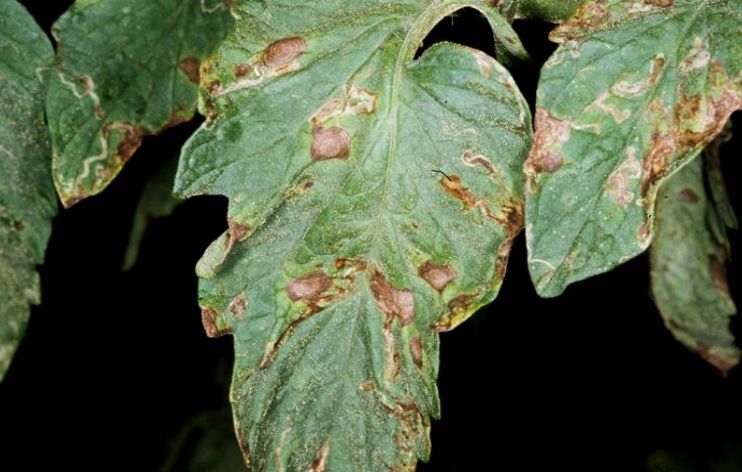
(125, 69)
(554, 11)
(687, 256)
(634, 91)
(373, 201)
(157, 200)
(27, 199)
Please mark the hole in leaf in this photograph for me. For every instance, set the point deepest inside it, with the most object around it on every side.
(467, 27)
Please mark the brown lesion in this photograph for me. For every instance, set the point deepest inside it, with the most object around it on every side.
(416, 350)
(236, 232)
(329, 143)
(241, 70)
(237, 306)
(510, 214)
(281, 54)
(545, 155)
(590, 16)
(190, 67)
(309, 289)
(656, 162)
(391, 301)
(437, 275)
(718, 272)
(211, 321)
(687, 195)
(129, 141)
(320, 461)
(457, 306)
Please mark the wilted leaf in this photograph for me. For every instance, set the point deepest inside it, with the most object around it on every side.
(27, 199)
(689, 281)
(125, 69)
(373, 200)
(157, 200)
(635, 89)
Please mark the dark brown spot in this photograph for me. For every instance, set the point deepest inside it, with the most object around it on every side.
(320, 461)
(237, 231)
(460, 303)
(644, 232)
(456, 306)
(309, 288)
(718, 272)
(190, 66)
(211, 322)
(503, 254)
(17, 225)
(367, 386)
(687, 109)
(659, 3)
(237, 306)
(241, 70)
(438, 276)
(342, 262)
(658, 64)
(656, 163)
(511, 215)
(391, 301)
(545, 155)
(707, 122)
(308, 184)
(283, 52)
(213, 86)
(687, 195)
(416, 349)
(588, 17)
(330, 143)
(453, 186)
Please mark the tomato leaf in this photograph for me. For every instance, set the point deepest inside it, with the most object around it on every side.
(635, 90)
(125, 69)
(688, 254)
(373, 201)
(27, 199)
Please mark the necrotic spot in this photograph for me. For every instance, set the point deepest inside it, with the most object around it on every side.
(330, 143)
(283, 52)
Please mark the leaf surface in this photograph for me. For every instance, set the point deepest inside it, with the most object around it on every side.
(373, 201)
(125, 69)
(634, 90)
(688, 254)
(27, 199)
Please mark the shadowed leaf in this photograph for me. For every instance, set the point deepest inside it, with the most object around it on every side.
(688, 254)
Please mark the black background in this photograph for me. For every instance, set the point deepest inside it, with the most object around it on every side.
(114, 363)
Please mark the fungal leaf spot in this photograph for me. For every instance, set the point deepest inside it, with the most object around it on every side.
(391, 301)
(438, 276)
(310, 288)
(330, 143)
